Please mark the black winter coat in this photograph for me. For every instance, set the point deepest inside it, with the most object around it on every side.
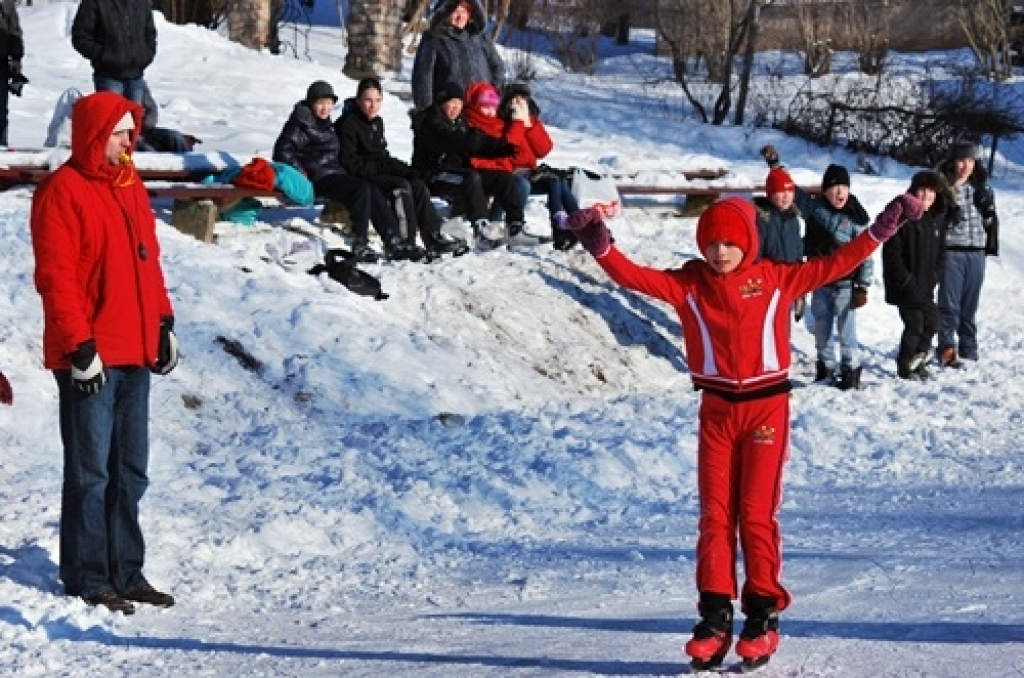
(12, 45)
(309, 144)
(441, 144)
(779, 232)
(364, 150)
(447, 54)
(118, 37)
(912, 259)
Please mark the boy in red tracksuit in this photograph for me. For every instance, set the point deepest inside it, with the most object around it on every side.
(733, 309)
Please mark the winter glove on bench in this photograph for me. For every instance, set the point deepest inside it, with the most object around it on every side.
(859, 297)
(590, 230)
(87, 373)
(902, 208)
(6, 392)
(167, 352)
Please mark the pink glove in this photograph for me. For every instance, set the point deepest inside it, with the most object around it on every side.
(902, 208)
(589, 228)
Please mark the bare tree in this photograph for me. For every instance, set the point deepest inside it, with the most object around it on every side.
(816, 22)
(868, 33)
(985, 24)
(374, 38)
(208, 13)
(708, 34)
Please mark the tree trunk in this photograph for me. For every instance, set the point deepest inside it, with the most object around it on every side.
(374, 38)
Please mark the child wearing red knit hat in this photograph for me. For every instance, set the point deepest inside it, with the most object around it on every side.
(733, 309)
(778, 225)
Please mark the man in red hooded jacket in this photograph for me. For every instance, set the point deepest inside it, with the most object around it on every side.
(734, 312)
(108, 323)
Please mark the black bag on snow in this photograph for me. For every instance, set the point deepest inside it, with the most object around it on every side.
(340, 265)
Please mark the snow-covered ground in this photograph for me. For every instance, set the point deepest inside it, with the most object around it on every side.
(492, 472)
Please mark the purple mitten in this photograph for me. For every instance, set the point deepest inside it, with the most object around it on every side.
(589, 228)
(902, 208)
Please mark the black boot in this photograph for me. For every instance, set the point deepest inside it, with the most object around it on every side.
(849, 378)
(712, 635)
(759, 638)
(822, 373)
(441, 243)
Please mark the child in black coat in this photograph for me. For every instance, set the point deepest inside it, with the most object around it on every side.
(911, 263)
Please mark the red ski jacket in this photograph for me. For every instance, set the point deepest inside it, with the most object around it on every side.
(538, 143)
(97, 256)
(736, 325)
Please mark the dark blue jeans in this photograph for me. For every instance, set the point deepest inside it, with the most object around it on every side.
(559, 193)
(959, 293)
(129, 89)
(106, 452)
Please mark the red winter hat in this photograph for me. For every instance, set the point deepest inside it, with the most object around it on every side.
(778, 181)
(731, 220)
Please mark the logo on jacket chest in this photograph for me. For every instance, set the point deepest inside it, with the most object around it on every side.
(752, 287)
(763, 435)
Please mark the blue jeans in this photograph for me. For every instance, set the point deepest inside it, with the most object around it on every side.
(959, 294)
(129, 89)
(559, 192)
(106, 452)
(831, 305)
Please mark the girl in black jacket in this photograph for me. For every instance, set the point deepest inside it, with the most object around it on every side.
(911, 263)
(364, 153)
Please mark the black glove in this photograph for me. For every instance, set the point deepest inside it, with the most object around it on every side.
(87, 373)
(859, 297)
(167, 352)
(770, 155)
(13, 66)
(492, 147)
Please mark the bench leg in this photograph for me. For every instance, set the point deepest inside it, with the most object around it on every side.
(195, 217)
(336, 213)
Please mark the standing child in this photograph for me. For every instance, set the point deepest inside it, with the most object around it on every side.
(778, 225)
(724, 301)
(834, 219)
(911, 263)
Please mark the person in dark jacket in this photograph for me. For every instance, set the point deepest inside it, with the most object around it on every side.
(364, 153)
(442, 146)
(778, 225)
(108, 324)
(156, 139)
(833, 219)
(309, 143)
(118, 37)
(911, 263)
(12, 50)
(455, 49)
(971, 237)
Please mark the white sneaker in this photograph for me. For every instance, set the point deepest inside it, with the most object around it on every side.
(492, 230)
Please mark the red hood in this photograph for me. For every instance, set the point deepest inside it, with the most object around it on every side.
(92, 122)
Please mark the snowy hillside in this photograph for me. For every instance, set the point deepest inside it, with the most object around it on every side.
(492, 473)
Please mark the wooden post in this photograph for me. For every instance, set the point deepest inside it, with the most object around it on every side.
(195, 218)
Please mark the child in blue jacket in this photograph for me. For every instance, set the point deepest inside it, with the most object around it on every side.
(833, 219)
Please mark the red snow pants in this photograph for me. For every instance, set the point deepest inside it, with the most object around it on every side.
(741, 451)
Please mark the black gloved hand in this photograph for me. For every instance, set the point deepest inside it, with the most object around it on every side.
(167, 352)
(859, 297)
(87, 373)
(770, 155)
(13, 67)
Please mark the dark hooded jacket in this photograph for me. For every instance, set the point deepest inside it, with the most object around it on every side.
(984, 202)
(12, 45)
(827, 229)
(441, 144)
(96, 250)
(118, 37)
(309, 144)
(912, 259)
(447, 54)
(779, 232)
(364, 149)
